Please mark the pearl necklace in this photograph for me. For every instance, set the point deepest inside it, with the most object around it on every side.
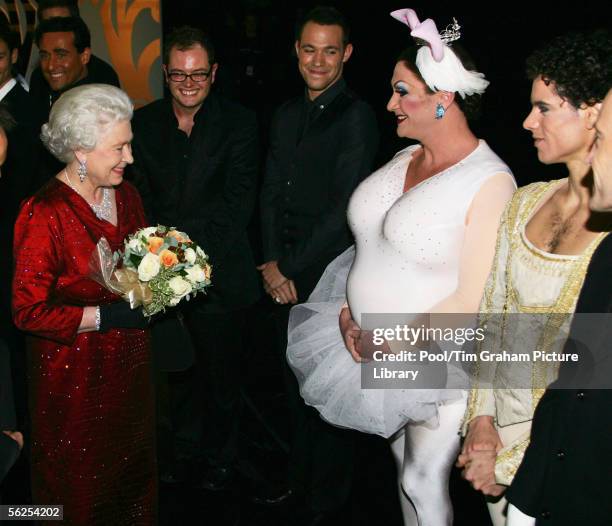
(104, 210)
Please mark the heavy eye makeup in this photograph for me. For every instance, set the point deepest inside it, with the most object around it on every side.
(401, 88)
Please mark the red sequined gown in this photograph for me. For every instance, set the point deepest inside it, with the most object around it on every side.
(91, 394)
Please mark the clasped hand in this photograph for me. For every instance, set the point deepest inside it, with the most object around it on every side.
(479, 454)
(281, 289)
(357, 341)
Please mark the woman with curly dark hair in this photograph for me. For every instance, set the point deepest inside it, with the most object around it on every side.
(545, 242)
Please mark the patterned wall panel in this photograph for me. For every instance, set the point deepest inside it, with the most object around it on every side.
(125, 33)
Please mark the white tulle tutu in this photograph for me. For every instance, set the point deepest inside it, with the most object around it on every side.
(330, 380)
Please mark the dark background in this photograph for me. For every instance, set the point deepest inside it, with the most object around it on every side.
(499, 37)
(254, 41)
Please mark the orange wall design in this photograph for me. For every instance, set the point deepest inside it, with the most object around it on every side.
(125, 33)
(117, 19)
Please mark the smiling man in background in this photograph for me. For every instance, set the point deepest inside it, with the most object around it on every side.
(65, 51)
(98, 70)
(196, 162)
(322, 144)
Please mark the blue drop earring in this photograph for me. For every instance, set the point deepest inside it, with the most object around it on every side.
(440, 111)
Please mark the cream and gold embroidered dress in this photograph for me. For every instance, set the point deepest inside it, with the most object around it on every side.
(528, 304)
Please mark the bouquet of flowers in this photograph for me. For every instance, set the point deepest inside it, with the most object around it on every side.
(158, 267)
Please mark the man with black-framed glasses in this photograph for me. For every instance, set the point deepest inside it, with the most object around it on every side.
(196, 167)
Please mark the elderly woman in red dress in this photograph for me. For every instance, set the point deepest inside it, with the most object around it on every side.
(91, 395)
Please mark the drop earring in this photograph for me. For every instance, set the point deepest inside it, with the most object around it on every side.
(440, 111)
(82, 170)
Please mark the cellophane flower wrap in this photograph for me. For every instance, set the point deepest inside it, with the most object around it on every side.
(158, 267)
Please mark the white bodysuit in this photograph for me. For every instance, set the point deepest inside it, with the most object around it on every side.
(426, 250)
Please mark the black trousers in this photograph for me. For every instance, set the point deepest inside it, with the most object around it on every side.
(322, 456)
(200, 408)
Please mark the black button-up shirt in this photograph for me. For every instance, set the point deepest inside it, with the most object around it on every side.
(203, 184)
(319, 151)
(313, 108)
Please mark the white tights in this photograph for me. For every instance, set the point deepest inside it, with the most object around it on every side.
(517, 518)
(425, 454)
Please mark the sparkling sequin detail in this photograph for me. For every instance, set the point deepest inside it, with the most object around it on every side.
(414, 236)
(91, 397)
(103, 210)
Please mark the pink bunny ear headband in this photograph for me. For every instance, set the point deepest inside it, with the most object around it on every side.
(436, 61)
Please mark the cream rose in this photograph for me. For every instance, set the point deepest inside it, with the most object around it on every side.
(190, 256)
(180, 287)
(135, 245)
(195, 274)
(149, 267)
(149, 231)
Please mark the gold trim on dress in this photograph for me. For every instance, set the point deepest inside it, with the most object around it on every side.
(560, 312)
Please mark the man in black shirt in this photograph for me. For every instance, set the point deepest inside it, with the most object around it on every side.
(12, 94)
(98, 71)
(65, 53)
(64, 45)
(322, 145)
(17, 177)
(18, 180)
(196, 168)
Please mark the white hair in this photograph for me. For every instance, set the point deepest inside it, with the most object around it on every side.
(81, 115)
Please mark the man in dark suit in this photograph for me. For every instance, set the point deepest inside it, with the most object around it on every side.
(64, 45)
(12, 93)
(196, 168)
(18, 179)
(322, 145)
(98, 71)
(565, 478)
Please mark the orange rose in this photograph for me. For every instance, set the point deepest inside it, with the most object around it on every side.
(207, 271)
(155, 243)
(176, 235)
(167, 258)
